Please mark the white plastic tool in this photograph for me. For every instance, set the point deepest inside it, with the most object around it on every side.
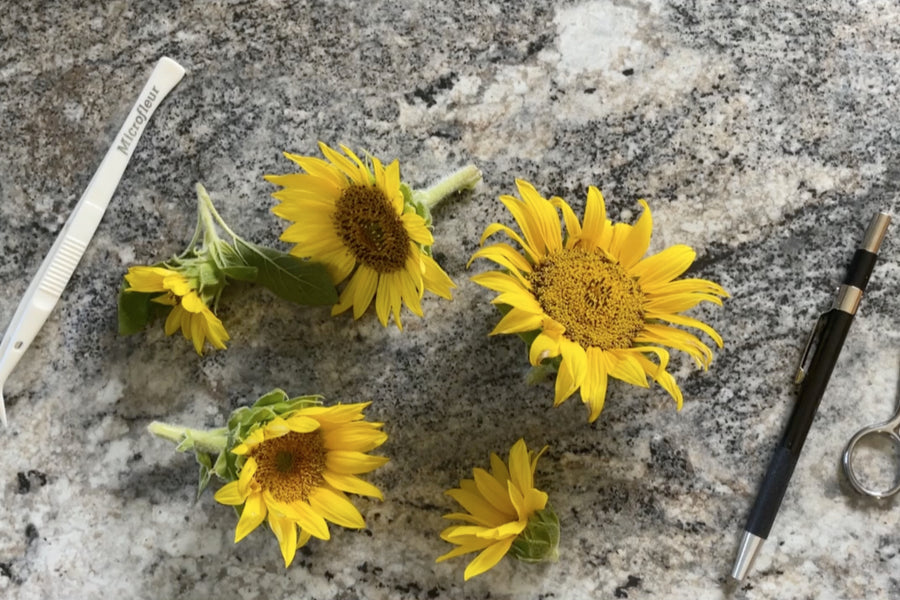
(45, 289)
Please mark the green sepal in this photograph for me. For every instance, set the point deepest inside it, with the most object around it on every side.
(539, 541)
(287, 276)
(205, 461)
(411, 200)
(209, 276)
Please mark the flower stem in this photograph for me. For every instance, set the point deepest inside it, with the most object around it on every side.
(464, 179)
(213, 440)
(208, 210)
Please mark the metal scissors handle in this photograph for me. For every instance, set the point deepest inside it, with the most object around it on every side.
(890, 429)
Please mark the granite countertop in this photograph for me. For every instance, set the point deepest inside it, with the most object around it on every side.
(763, 135)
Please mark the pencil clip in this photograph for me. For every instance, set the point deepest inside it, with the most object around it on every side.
(806, 357)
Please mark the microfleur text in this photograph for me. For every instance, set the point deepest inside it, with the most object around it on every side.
(143, 114)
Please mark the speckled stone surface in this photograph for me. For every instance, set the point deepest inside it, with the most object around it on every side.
(763, 135)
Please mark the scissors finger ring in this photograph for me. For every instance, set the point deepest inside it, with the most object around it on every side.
(888, 429)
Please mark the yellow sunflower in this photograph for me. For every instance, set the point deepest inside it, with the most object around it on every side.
(189, 313)
(505, 513)
(297, 469)
(593, 298)
(355, 221)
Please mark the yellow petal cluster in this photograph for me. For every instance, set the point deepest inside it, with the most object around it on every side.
(297, 470)
(594, 297)
(498, 505)
(189, 313)
(353, 220)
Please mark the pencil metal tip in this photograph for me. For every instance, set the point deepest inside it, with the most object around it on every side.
(750, 545)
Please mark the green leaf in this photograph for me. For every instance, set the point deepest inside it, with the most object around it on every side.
(134, 311)
(287, 276)
(247, 274)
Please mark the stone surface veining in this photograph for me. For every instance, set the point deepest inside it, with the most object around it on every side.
(763, 134)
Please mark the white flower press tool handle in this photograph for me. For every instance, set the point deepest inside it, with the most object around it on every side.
(47, 286)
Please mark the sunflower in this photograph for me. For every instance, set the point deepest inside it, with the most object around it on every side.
(505, 514)
(296, 470)
(189, 313)
(592, 299)
(357, 222)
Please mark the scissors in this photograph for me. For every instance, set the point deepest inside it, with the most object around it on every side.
(889, 429)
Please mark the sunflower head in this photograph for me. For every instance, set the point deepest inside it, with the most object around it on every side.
(590, 302)
(180, 290)
(366, 227)
(292, 463)
(505, 514)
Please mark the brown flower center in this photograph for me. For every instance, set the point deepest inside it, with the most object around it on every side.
(291, 466)
(369, 227)
(594, 298)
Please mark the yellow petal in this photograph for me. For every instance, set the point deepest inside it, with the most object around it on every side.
(307, 518)
(230, 495)
(416, 229)
(246, 475)
(342, 163)
(435, 279)
(285, 531)
(394, 293)
(467, 545)
(663, 267)
(382, 300)
(364, 291)
(638, 239)
(499, 282)
(518, 321)
(318, 168)
(504, 255)
(335, 507)
(595, 221)
(477, 506)
(302, 424)
(352, 484)
(543, 347)
(349, 462)
(573, 227)
(409, 294)
(543, 215)
(520, 467)
(493, 228)
(488, 558)
(492, 490)
(593, 390)
(625, 367)
(392, 185)
(498, 468)
(173, 320)
(565, 383)
(350, 437)
(252, 515)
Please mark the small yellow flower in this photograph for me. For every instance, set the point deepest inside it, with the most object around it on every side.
(189, 313)
(505, 513)
(593, 298)
(356, 222)
(297, 469)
